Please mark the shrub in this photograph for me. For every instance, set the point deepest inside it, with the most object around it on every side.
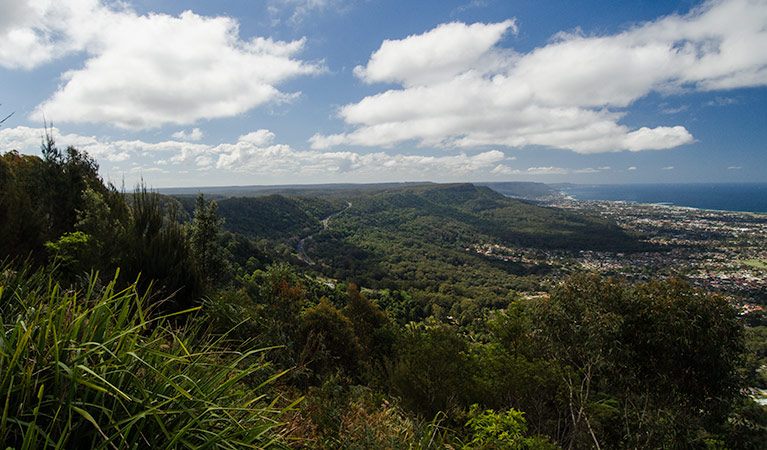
(93, 369)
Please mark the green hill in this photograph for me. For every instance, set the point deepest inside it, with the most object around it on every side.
(464, 213)
(423, 237)
(272, 217)
(523, 189)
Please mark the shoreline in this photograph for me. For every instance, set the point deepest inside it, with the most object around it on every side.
(570, 197)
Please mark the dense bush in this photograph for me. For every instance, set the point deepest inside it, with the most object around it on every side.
(96, 369)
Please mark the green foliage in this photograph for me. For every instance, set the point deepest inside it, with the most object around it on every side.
(244, 254)
(64, 176)
(755, 364)
(335, 417)
(275, 315)
(371, 327)
(282, 294)
(433, 370)
(104, 217)
(93, 369)
(513, 371)
(61, 199)
(74, 252)
(232, 313)
(746, 426)
(204, 239)
(274, 217)
(158, 251)
(659, 359)
(22, 223)
(502, 430)
(329, 340)
(419, 240)
(400, 306)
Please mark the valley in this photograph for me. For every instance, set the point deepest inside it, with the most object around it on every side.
(453, 244)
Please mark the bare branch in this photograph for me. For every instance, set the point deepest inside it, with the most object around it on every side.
(6, 118)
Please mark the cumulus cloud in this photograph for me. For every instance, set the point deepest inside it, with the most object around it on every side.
(194, 135)
(36, 32)
(261, 156)
(437, 55)
(30, 140)
(144, 71)
(460, 88)
(257, 153)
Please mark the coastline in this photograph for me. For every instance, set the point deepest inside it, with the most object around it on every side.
(748, 198)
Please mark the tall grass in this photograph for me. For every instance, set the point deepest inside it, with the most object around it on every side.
(92, 369)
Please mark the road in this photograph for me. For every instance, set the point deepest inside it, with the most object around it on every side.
(300, 252)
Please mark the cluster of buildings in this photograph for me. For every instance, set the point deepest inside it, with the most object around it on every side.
(507, 254)
(720, 251)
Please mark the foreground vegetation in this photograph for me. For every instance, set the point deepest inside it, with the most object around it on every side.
(98, 368)
(125, 326)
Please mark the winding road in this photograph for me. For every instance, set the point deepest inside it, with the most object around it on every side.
(300, 252)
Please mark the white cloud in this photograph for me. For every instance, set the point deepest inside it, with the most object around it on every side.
(140, 170)
(503, 169)
(549, 170)
(735, 168)
(146, 71)
(256, 153)
(471, 5)
(657, 138)
(437, 55)
(722, 101)
(36, 32)
(460, 88)
(29, 140)
(296, 11)
(258, 138)
(675, 110)
(668, 168)
(263, 157)
(632, 168)
(194, 135)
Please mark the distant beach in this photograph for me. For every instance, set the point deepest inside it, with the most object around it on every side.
(745, 197)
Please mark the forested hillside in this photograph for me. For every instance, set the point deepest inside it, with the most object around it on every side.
(273, 217)
(419, 239)
(523, 190)
(129, 324)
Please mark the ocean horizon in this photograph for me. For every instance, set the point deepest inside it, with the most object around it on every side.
(741, 197)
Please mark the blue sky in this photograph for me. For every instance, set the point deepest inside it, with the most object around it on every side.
(200, 93)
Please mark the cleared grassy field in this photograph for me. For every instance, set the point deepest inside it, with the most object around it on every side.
(758, 263)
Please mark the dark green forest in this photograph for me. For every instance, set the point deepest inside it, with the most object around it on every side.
(140, 320)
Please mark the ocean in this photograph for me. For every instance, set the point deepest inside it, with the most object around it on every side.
(748, 197)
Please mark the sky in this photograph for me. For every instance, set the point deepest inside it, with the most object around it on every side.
(240, 92)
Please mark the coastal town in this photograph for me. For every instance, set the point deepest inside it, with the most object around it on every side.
(719, 251)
